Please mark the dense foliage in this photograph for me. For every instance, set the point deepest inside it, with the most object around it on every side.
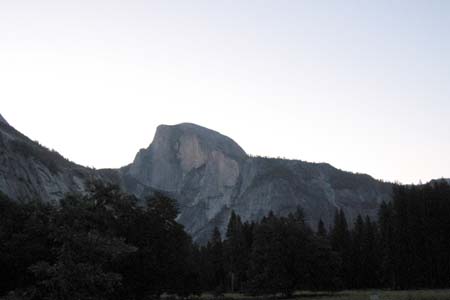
(407, 247)
(99, 246)
(275, 255)
(107, 245)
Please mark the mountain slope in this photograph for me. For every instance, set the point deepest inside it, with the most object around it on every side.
(210, 175)
(2, 120)
(31, 171)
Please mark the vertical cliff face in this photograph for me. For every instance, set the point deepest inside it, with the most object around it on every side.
(210, 175)
(178, 152)
(199, 167)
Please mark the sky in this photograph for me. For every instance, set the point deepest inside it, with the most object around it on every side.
(362, 85)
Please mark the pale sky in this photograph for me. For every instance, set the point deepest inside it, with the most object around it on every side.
(362, 85)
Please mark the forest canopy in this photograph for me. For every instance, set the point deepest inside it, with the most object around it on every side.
(108, 245)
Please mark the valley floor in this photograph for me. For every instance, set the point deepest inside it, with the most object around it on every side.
(355, 295)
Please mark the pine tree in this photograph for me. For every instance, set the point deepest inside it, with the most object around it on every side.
(216, 257)
(324, 266)
(321, 230)
(341, 243)
(236, 253)
(358, 263)
(274, 266)
(371, 251)
(387, 244)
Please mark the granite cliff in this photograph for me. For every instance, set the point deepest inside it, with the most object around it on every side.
(208, 173)
(31, 171)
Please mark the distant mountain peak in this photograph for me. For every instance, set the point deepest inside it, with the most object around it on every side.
(208, 139)
(2, 120)
(440, 180)
(208, 174)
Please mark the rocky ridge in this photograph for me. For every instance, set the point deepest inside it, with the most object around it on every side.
(208, 173)
(31, 171)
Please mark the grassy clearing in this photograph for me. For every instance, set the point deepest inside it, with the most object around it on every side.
(382, 295)
(354, 295)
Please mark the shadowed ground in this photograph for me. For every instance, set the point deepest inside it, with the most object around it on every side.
(354, 295)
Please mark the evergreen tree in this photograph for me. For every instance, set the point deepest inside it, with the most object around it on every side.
(164, 261)
(106, 245)
(324, 266)
(216, 258)
(85, 246)
(387, 244)
(24, 240)
(341, 243)
(371, 255)
(321, 230)
(273, 264)
(357, 262)
(236, 253)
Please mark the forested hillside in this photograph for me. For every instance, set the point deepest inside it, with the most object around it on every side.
(208, 174)
(103, 245)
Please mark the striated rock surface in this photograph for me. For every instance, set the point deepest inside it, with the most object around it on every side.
(2, 120)
(210, 175)
(31, 171)
(199, 167)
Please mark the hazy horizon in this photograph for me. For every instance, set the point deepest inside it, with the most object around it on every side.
(364, 87)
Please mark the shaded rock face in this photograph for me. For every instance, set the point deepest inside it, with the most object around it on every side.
(207, 172)
(199, 167)
(179, 153)
(2, 120)
(31, 171)
(210, 175)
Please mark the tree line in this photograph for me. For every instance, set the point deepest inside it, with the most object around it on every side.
(406, 247)
(103, 245)
(108, 245)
